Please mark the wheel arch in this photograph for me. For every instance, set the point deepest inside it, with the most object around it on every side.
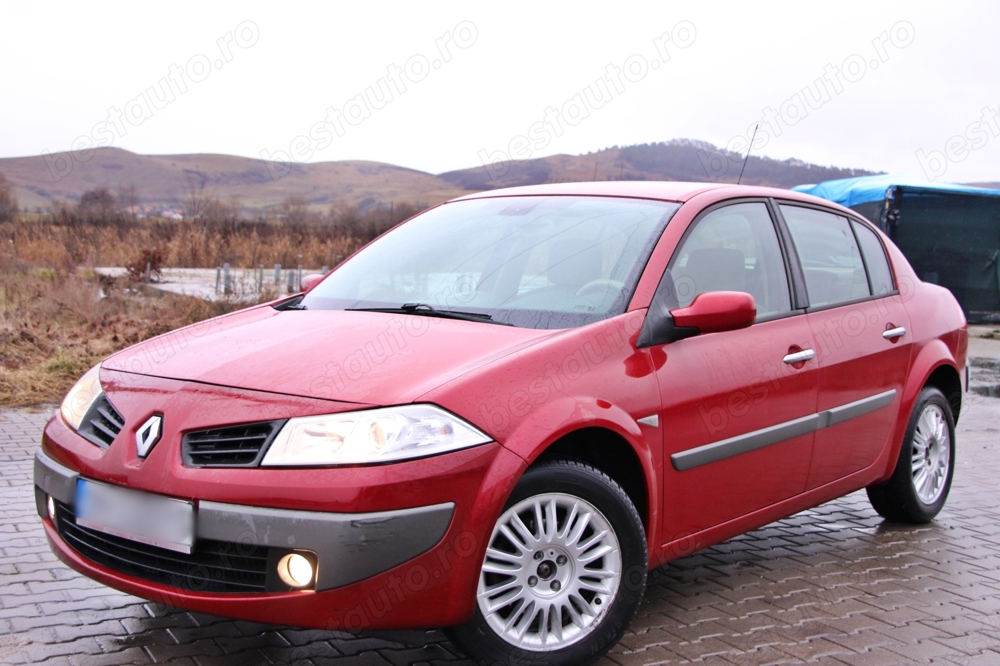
(607, 451)
(946, 379)
(934, 365)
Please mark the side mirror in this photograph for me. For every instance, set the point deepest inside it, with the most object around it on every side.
(710, 312)
(716, 311)
(310, 281)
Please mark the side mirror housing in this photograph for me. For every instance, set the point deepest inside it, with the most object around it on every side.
(310, 281)
(710, 312)
(717, 311)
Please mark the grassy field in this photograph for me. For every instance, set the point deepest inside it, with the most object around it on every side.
(58, 318)
(57, 323)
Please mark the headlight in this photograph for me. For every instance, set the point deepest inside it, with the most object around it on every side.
(371, 436)
(77, 402)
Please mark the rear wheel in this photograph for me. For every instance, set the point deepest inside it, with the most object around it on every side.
(919, 486)
(564, 571)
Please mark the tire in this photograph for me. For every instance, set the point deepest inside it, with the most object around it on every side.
(912, 494)
(543, 598)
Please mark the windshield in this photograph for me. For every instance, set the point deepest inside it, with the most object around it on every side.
(535, 262)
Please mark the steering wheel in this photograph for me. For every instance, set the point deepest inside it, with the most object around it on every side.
(602, 284)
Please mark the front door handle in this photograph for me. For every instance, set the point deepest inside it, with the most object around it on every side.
(800, 357)
(894, 333)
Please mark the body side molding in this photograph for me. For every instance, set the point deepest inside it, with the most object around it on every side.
(751, 441)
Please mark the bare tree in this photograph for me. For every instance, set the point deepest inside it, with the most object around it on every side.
(8, 201)
(97, 204)
(217, 211)
(295, 208)
(195, 196)
(128, 198)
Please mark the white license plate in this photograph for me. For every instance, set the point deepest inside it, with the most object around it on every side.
(132, 514)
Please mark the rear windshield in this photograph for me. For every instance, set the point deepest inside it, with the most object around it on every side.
(535, 262)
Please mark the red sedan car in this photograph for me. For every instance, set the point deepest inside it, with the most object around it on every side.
(498, 416)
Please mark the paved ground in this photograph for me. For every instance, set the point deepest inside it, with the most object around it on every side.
(832, 585)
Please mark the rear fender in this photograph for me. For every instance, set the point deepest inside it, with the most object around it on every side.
(930, 357)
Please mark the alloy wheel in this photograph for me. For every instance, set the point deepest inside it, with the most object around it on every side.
(930, 454)
(552, 570)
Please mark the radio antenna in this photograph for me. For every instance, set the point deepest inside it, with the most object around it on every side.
(749, 148)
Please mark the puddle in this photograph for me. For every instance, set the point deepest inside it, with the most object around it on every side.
(984, 377)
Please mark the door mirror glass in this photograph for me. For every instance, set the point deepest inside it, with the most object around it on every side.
(717, 311)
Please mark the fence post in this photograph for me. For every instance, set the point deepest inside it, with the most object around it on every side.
(218, 278)
(260, 278)
(149, 269)
(227, 279)
(324, 270)
(277, 274)
(291, 281)
(298, 279)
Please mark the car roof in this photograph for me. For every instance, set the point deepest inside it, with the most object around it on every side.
(646, 189)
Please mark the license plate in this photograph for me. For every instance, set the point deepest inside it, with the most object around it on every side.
(131, 514)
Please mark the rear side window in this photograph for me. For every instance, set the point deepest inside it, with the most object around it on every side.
(734, 248)
(829, 254)
(874, 253)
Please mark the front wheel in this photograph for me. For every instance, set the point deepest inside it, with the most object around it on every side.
(564, 572)
(919, 486)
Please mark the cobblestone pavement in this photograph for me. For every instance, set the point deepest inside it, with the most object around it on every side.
(832, 585)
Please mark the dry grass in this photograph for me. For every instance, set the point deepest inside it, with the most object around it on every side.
(57, 323)
(57, 318)
(182, 244)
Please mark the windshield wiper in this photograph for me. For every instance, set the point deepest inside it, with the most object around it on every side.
(425, 310)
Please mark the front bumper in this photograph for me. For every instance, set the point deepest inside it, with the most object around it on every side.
(348, 546)
(398, 545)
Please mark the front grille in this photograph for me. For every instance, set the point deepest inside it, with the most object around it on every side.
(232, 446)
(213, 566)
(102, 423)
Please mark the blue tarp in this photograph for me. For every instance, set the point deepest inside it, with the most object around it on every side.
(866, 189)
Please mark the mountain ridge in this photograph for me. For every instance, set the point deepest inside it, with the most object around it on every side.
(166, 180)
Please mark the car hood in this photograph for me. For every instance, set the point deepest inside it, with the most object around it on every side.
(367, 358)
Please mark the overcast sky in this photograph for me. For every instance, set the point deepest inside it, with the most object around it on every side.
(889, 84)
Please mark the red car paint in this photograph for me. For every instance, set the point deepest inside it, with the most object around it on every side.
(527, 389)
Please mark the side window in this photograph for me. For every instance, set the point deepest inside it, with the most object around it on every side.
(733, 249)
(878, 265)
(829, 255)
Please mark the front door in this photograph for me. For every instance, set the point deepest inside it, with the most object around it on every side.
(737, 405)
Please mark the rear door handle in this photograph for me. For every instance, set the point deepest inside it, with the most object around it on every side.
(893, 333)
(800, 357)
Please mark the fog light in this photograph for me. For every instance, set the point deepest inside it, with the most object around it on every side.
(51, 506)
(295, 570)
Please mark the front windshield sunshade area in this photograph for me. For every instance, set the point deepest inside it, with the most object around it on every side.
(536, 262)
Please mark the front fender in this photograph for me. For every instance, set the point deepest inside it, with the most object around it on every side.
(564, 415)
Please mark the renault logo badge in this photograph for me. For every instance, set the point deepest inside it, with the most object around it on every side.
(148, 435)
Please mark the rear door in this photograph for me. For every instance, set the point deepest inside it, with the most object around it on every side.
(861, 329)
(733, 402)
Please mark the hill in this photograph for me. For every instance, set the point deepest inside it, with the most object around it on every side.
(166, 180)
(681, 159)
